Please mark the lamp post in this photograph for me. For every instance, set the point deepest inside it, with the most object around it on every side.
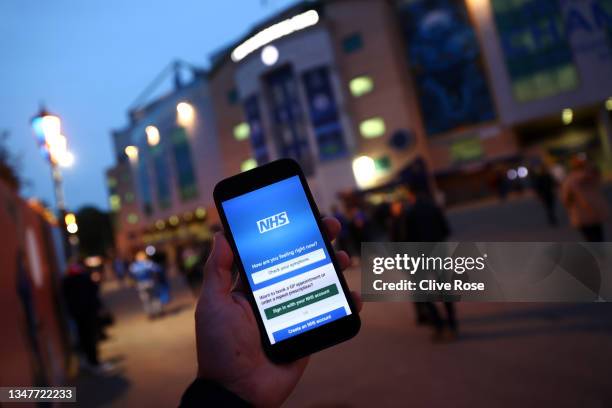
(54, 148)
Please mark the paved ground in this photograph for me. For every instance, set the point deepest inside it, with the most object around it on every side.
(508, 355)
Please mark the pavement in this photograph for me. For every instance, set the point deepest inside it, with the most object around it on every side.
(507, 355)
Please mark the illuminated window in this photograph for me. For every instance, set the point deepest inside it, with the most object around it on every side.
(371, 128)
(352, 43)
(382, 164)
(241, 131)
(361, 85)
(115, 202)
(248, 165)
(184, 168)
(132, 218)
(111, 182)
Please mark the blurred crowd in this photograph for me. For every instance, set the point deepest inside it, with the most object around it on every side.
(413, 214)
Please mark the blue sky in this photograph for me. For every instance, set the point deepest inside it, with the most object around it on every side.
(88, 61)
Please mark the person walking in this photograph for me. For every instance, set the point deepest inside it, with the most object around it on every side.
(424, 221)
(144, 273)
(83, 303)
(544, 185)
(581, 193)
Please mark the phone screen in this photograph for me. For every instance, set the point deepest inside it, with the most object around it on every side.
(293, 279)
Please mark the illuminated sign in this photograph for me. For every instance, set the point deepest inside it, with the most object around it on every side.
(274, 32)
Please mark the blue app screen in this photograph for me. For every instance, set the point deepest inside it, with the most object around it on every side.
(294, 282)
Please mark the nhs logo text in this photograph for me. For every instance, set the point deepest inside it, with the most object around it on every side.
(273, 222)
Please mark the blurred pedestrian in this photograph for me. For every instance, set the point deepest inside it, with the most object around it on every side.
(191, 262)
(144, 273)
(120, 269)
(544, 185)
(357, 228)
(582, 195)
(342, 241)
(160, 259)
(424, 221)
(83, 303)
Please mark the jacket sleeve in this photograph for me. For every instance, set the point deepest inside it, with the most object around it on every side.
(204, 393)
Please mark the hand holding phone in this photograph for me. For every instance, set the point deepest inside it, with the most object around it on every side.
(228, 338)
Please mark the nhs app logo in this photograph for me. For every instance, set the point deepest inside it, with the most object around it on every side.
(273, 222)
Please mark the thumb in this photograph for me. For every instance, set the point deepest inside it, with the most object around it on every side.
(218, 268)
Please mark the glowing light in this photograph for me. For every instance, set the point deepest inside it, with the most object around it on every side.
(150, 250)
(512, 174)
(131, 152)
(200, 212)
(115, 202)
(248, 164)
(160, 224)
(72, 228)
(185, 113)
(567, 116)
(371, 128)
(522, 172)
(65, 159)
(364, 169)
(361, 85)
(70, 218)
(242, 131)
(93, 262)
(50, 126)
(152, 135)
(269, 55)
(609, 104)
(173, 220)
(274, 32)
(132, 218)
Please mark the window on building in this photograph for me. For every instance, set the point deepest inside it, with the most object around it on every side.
(382, 164)
(132, 218)
(115, 202)
(257, 136)
(248, 164)
(162, 177)
(232, 96)
(536, 48)
(241, 131)
(324, 115)
(361, 85)
(287, 118)
(144, 184)
(184, 164)
(129, 197)
(373, 127)
(352, 43)
(111, 182)
(445, 63)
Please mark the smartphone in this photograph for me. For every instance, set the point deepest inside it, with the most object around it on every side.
(297, 291)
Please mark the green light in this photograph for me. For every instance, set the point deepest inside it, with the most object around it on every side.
(567, 116)
(361, 85)
(371, 128)
(200, 212)
(242, 131)
(115, 202)
(609, 104)
(132, 218)
(248, 164)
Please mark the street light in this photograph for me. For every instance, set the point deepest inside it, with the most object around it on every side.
(54, 148)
